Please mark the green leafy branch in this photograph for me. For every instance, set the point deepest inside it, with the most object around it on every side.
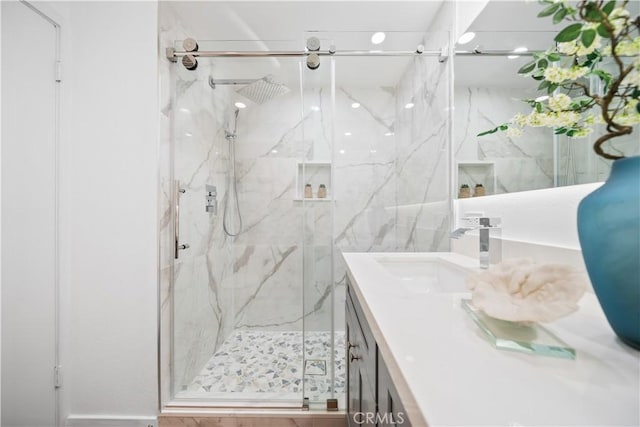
(597, 30)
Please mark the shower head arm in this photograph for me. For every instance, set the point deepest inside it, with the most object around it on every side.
(230, 82)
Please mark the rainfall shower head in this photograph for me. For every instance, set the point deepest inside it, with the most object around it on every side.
(258, 91)
(263, 90)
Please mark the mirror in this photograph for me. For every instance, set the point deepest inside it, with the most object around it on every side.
(488, 91)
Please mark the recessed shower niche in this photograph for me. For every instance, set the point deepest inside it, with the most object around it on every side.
(311, 178)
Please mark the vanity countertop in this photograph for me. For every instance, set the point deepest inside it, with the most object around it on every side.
(447, 374)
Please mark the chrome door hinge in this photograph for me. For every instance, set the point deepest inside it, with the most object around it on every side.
(57, 376)
(58, 71)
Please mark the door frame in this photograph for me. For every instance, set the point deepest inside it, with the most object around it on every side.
(56, 213)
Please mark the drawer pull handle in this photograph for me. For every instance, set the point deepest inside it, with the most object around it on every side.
(355, 357)
(350, 346)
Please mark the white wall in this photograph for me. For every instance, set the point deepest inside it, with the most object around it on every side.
(466, 12)
(539, 224)
(109, 212)
(28, 213)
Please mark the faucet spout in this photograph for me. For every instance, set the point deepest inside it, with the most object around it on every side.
(459, 232)
(483, 225)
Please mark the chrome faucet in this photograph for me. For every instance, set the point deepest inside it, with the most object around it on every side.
(483, 225)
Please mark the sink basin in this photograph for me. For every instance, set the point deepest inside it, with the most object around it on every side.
(425, 275)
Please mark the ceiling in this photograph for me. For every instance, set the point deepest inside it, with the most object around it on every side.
(503, 25)
(289, 20)
(285, 25)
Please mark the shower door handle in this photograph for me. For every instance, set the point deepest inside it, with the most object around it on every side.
(176, 221)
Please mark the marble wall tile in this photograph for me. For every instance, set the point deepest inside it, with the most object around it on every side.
(197, 318)
(523, 163)
(423, 161)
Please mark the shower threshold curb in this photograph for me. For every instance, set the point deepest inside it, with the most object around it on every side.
(244, 417)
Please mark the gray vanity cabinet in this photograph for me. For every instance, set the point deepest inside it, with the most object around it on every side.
(361, 385)
(372, 399)
(390, 409)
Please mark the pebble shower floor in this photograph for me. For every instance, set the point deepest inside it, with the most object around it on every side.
(252, 361)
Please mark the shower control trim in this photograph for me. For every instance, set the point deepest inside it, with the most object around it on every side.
(212, 199)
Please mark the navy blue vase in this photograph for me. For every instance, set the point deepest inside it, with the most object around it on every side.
(609, 231)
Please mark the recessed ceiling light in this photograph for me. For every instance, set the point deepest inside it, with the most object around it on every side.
(184, 110)
(378, 37)
(466, 37)
(542, 98)
(355, 105)
(341, 151)
(347, 134)
(315, 108)
(389, 134)
(188, 134)
(518, 50)
(240, 105)
(373, 151)
(409, 105)
(274, 151)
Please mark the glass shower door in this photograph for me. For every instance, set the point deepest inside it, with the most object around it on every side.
(379, 139)
(237, 292)
(316, 187)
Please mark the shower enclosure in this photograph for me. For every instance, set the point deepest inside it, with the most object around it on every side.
(274, 169)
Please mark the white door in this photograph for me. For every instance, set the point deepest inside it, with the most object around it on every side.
(29, 260)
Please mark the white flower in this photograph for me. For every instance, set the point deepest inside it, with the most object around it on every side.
(552, 119)
(559, 102)
(568, 48)
(576, 72)
(629, 115)
(582, 132)
(590, 120)
(559, 74)
(626, 47)
(566, 118)
(619, 18)
(519, 119)
(514, 132)
(582, 50)
(554, 75)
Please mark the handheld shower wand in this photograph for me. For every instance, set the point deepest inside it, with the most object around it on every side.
(232, 183)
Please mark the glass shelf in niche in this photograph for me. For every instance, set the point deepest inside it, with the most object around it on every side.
(529, 338)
